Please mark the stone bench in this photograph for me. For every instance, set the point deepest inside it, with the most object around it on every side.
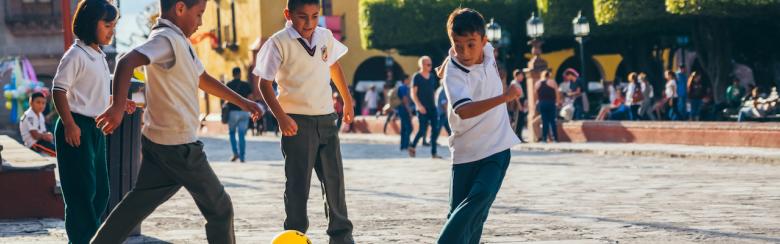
(28, 187)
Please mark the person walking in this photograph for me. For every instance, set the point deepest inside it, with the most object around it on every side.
(423, 87)
(238, 119)
(646, 106)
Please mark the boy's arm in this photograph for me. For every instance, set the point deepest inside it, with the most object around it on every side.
(337, 75)
(286, 124)
(112, 117)
(474, 109)
(214, 87)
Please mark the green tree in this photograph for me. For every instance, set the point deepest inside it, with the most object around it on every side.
(716, 28)
(419, 27)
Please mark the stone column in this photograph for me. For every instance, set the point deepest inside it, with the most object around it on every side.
(533, 74)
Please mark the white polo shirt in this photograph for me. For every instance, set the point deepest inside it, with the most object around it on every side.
(31, 121)
(301, 68)
(84, 76)
(488, 133)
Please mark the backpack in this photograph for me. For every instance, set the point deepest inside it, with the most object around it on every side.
(393, 99)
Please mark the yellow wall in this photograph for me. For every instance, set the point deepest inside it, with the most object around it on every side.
(608, 63)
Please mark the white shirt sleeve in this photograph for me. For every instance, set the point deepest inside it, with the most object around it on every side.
(159, 50)
(268, 61)
(339, 50)
(456, 88)
(67, 71)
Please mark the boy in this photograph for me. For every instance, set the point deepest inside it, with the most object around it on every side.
(303, 58)
(33, 127)
(172, 155)
(482, 134)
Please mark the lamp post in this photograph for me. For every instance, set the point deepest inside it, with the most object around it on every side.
(493, 32)
(535, 30)
(581, 31)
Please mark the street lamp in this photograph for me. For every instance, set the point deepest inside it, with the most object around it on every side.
(534, 26)
(493, 31)
(581, 30)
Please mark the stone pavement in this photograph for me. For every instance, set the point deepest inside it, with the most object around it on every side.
(547, 197)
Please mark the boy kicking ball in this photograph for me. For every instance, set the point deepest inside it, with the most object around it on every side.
(172, 155)
(482, 134)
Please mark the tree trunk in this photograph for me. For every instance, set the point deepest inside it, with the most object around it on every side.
(713, 42)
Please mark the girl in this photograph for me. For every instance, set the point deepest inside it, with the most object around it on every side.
(81, 92)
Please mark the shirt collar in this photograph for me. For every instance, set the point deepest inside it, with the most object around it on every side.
(162, 21)
(295, 35)
(487, 52)
(91, 52)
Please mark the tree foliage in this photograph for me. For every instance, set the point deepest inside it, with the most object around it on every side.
(416, 27)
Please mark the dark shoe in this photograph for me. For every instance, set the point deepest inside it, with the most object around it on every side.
(234, 158)
(412, 152)
(425, 144)
(243, 161)
(436, 157)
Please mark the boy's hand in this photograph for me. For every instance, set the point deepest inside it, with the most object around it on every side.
(349, 113)
(111, 118)
(73, 135)
(131, 106)
(513, 92)
(288, 125)
(253, 108)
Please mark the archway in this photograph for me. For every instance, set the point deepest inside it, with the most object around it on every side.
(373, 72)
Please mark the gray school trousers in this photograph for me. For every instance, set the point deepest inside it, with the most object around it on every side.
(315, 146)
(164, 170)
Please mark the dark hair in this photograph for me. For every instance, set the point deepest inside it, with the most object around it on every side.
(88, 14)
(465, 21)
(36, 95)
(294, 4)
(166, 5)
(236, 71)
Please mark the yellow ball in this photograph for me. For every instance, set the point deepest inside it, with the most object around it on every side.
(291, 237)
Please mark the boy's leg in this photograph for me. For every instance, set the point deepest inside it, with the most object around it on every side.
(190, 168)
(330, 171)
(154, 186)
(77, 179)
(299, 153)
(468, 217)
(461, 182)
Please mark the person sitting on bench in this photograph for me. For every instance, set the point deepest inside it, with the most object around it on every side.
(33, 127)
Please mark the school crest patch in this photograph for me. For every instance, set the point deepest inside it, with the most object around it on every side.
(324, 53)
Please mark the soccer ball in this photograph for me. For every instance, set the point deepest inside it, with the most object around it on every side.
(291, 237)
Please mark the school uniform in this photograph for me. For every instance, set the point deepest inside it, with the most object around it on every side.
(302, 71)
(84, 76)
(33, 121)
(172, 156)
(479, 147)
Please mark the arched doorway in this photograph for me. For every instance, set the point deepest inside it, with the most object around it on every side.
(373, 72)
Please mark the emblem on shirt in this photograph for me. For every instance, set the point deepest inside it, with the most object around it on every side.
(324, 53)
